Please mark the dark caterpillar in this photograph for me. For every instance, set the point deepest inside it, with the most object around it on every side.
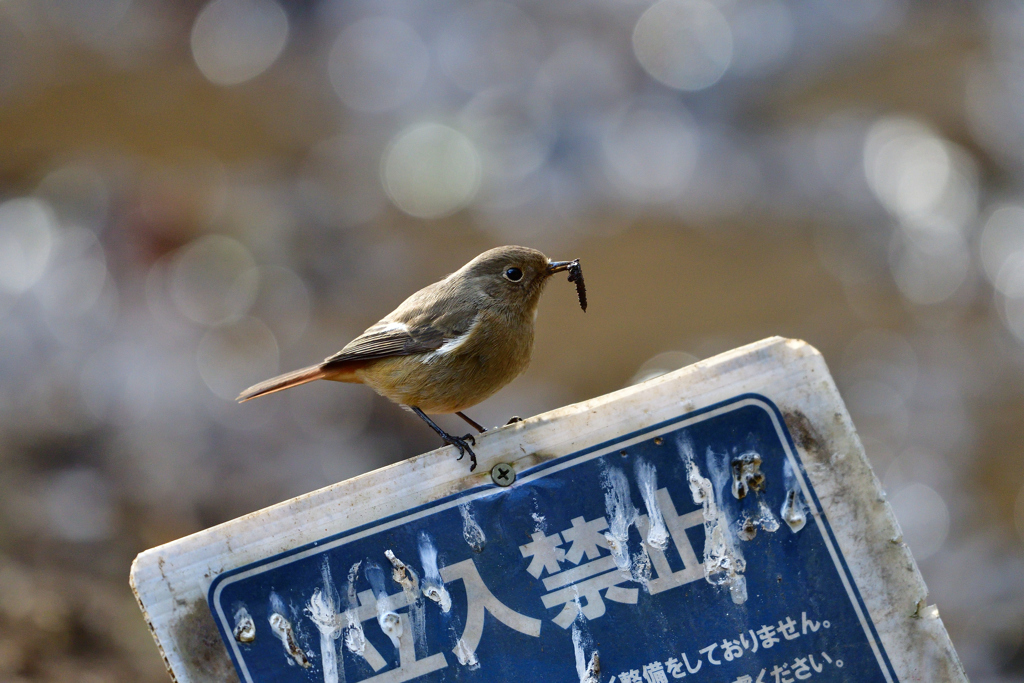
(576, 275)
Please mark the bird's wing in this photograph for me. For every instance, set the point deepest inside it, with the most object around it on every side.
(440, 313)
(422, 323)
(390, 339)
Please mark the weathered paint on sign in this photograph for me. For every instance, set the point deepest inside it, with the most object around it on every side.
(707, 594)
(692, 541)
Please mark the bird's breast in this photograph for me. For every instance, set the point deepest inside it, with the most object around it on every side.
(493, 352)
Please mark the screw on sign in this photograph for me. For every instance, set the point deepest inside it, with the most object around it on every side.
(503, 474)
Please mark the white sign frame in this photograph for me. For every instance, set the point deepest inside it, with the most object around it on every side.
(171, 581)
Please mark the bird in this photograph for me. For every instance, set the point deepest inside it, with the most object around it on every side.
(450, 345)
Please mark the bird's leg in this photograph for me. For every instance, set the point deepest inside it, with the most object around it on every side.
(458, 441)
(472, 423)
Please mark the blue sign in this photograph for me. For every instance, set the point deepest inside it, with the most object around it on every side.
(695, 549)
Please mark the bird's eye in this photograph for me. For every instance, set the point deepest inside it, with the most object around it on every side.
(513, 274)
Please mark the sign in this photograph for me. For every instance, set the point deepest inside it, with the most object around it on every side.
(705, 540)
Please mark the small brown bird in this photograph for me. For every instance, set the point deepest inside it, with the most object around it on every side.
(450, 345)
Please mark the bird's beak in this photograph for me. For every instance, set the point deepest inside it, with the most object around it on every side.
(558, 266)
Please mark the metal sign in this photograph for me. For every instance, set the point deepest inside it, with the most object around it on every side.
(696, 546)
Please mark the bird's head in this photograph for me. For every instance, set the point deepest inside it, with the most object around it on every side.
(513, 276)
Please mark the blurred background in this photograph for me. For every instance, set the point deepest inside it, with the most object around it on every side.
(197, 195)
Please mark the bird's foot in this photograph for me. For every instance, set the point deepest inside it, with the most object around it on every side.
(512, 420)
(461, 443)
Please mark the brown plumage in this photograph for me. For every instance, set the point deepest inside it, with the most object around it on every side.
(450, 345)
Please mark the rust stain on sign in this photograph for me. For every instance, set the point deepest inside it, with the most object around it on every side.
(198, 643)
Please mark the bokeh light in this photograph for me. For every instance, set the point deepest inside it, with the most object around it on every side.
(1002, 238)
(234, 41)
(283, 303)
(685, 44)
(431, 170)
(661, 364)
(91, 22)
(214, 280)
(78, 194)
(76, 293)
(929, 267)
(923, 518)
(378, 63)
(1009, 295)
(907, 166)
(651, 152)
(512, 132)
(26, 238)
(237, 355)
(489, 44)
(762, 36)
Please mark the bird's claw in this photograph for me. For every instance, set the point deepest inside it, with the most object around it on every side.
(460, 443)
(512, 420)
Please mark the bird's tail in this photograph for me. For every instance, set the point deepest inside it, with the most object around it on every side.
(285, 381)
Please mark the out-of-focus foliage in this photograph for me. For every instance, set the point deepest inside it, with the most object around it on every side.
(196, 195)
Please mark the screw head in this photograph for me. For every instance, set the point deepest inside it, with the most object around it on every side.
(503, 474)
